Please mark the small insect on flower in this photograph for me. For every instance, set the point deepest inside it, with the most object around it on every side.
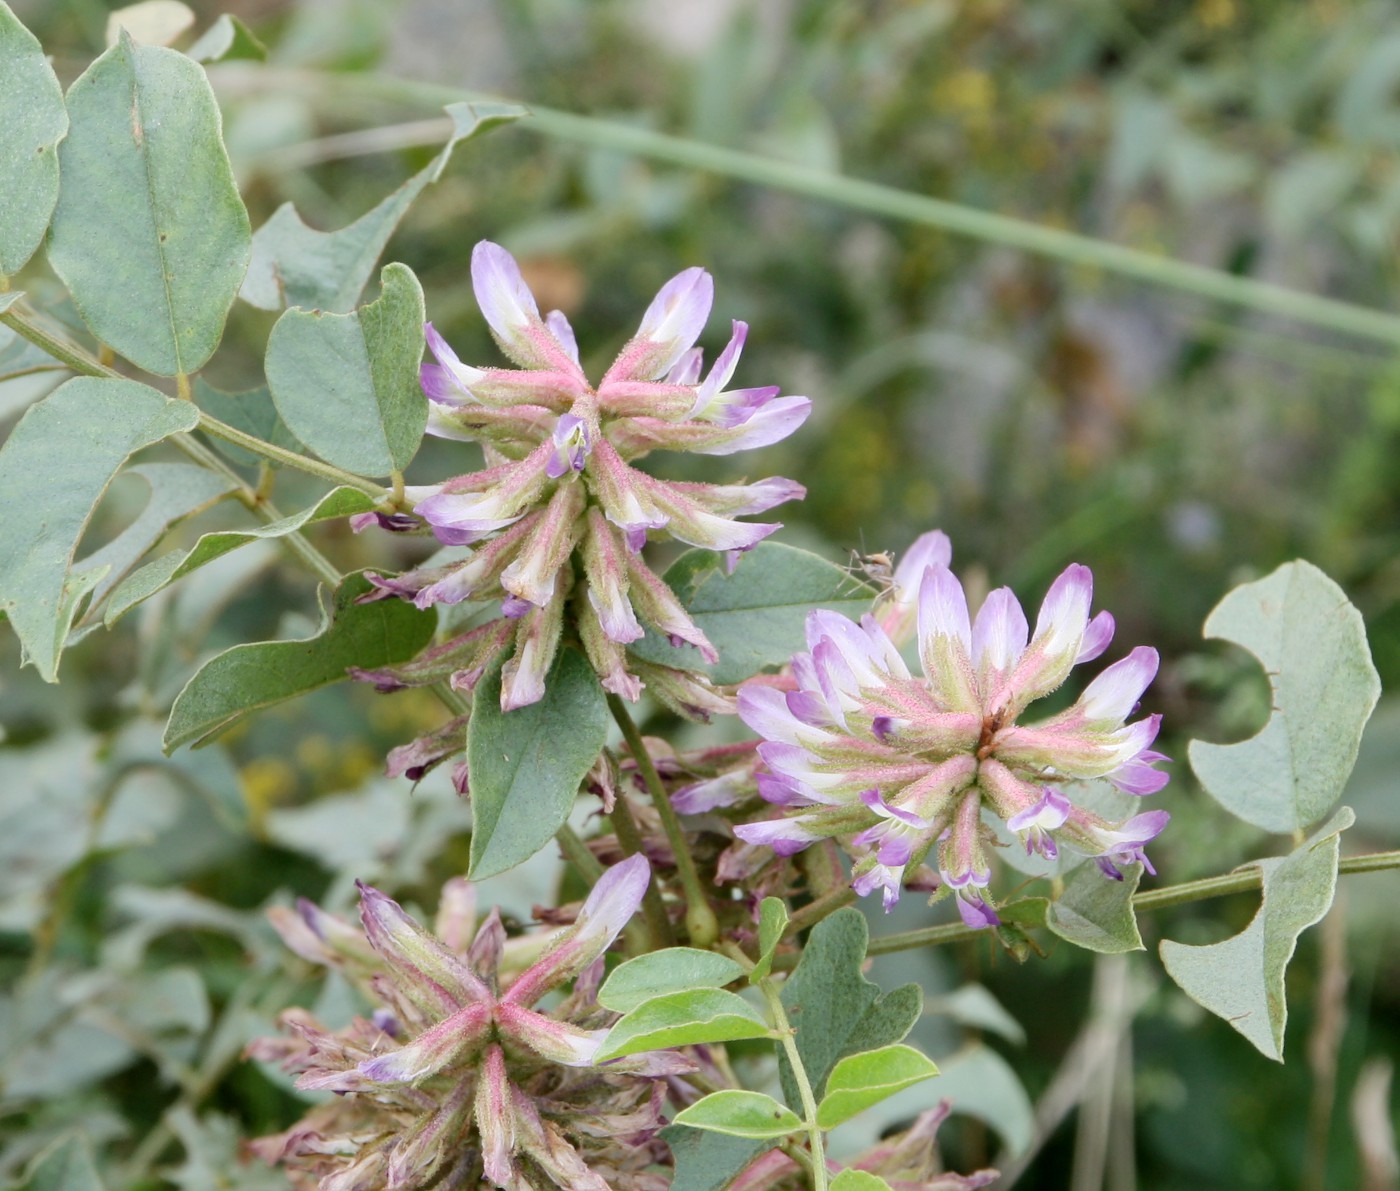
(878, 569)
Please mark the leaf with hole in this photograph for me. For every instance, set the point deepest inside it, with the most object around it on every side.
(526, 765)
(684, 1019)
(296, 265)
(247, 678)
(673, 969)
(55, 466)
(149, 233)
(1241, 979)
(165, 570)
(1312, 644)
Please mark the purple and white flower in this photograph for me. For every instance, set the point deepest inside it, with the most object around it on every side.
(561, 458)
(897, 765)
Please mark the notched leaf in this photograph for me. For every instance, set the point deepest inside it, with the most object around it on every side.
(1241, 979)
(1312, 644)
(247, 678)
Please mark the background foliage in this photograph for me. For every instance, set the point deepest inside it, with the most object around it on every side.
(1036, 410)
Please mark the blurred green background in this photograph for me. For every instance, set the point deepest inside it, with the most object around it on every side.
(1039, 412)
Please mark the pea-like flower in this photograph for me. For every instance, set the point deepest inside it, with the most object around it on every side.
(458, 1074)
(560, 493)
(895, 764)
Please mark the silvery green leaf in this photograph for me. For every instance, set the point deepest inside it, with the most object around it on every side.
(149, 233)
(1241, 979)
(32, 122)
(1312, 644)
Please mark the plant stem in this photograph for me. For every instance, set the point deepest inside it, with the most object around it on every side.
(1242, 880)
(1068, 247)
(75, 358)
(79, 361)
(576, 852)
(814, 911)
(701, 925)
(804, 1085)
(270, 451)
(653, 908)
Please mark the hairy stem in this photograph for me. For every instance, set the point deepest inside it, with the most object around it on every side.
(700, 922)
(804, 1085)
(653, 909)
(276, 454)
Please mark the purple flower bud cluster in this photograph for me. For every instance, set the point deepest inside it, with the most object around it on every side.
(457, 1072)
(560, 491)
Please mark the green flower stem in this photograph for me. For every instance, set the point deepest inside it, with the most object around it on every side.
(814, 911)
(804, 1085)
(653, 908)
(75, 358)
(1068, 247)
(276, 454)
(1240, 881)
(576, 852)
(700, 923)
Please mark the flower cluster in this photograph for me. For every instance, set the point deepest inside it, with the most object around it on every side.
(458, 1076)
(894, 764)
(560, 492)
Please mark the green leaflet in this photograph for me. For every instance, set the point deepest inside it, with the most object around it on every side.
(1312, 645)
(32, 122)
(526, 765)
(151, 578)
(74, 440)
(684, 1019)
(858, 1180)
(246, 678)
(741, 1114)
(755, 617)
(674, 969)
(772, 922)
(1241, 979)
(1096, 913)
(347, 384)
(295, 265)
(835, 1010)
(860, 1080)
(149, 233)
